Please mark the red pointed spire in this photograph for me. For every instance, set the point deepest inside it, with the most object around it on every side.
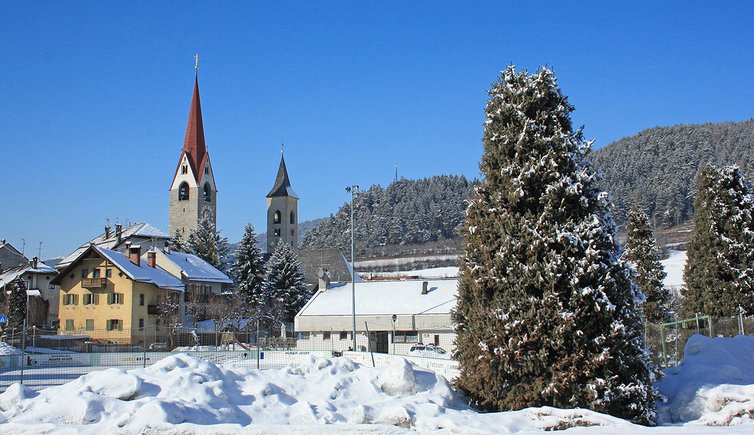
(194, 144)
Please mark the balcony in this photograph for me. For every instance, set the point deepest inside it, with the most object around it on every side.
(153, 309)
(94, 282)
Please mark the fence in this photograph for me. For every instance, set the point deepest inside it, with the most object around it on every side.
(667, 341)
(52, 359)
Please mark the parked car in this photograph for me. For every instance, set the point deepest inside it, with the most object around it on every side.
(429, 351)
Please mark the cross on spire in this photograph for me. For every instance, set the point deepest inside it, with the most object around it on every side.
(196, 60)
(282, 148)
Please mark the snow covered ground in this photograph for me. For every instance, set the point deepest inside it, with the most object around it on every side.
(674, 265)
(714, 385)
(7, 349)
(434, 272)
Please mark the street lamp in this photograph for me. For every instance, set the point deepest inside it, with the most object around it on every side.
(353, 190)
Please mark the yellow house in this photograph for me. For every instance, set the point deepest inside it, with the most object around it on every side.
(114, 297)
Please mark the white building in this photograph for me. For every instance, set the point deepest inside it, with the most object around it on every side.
(42, 294)
(398, 315)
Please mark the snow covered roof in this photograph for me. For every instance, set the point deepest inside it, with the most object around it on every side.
(140, 230)
(196, 269)
(141, 273)
(385, 297)
(9, 275)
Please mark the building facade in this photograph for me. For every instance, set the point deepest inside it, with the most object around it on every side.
(112, 297)
(193, 192)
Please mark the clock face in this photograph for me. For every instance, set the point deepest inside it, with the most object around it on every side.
(207, 213)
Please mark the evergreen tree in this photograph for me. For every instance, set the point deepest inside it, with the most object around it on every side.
(17, 304)
(641, 251)
(205, 241)
(248, 270)
(718, 273)
(285, 291)
(177, 243)
(546, 311)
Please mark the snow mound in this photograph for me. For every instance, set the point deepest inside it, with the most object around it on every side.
(713, 385)
(7, 349)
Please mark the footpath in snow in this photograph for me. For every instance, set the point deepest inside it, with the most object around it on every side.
(714, 385)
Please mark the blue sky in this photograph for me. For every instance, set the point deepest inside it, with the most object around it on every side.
(95, 95)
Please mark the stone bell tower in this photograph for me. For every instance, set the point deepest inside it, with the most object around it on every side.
(282, 211)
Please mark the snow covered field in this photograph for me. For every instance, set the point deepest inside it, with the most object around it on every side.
(714, 385)
(674, 265)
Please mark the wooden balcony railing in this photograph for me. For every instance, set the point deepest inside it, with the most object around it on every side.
(94, 282)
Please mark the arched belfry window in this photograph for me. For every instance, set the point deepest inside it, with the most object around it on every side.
(207, 193)
(293, 221)
(183, 192)
(276, 217)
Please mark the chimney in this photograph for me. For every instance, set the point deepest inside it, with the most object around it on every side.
(324, 279)
(151, 259)
(118, 233)
(134, 254)
(34, 262)
(424, 287)
(107, 231)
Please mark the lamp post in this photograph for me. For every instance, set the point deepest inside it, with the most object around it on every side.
(353, 190)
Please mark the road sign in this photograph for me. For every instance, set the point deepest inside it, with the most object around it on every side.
(3, 319)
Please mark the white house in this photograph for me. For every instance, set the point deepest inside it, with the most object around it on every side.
(42, 294)
(398, 314)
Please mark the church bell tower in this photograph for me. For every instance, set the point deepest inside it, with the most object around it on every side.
(282, 211)
(193, 193)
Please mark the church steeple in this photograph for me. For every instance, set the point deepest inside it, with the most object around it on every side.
(193, 193)
(282, 185)
(193, 143)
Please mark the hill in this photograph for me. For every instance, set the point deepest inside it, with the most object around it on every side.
(406, 213)
(657, 168)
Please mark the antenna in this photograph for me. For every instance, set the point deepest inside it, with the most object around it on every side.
(396, 172)
(23, 245)
(39, 253)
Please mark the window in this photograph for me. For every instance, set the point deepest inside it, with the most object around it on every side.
(114, 325)
(406, 337)
(70, 299)
(108, 273)
(91, 299)
(141, 299)
(206, 169)
(276, 217)
(207, 192)
(184, 169)
(305, 335)
(90, 324)
(84, 273)
(183, 192)
(141, 324)
(343, 335)
(292, 219)
(326, 335)
(114, 298)
(69, 324)
(277, 232)
(95, 273)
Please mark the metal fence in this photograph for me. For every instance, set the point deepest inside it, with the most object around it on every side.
(53, 357)
(667, 341)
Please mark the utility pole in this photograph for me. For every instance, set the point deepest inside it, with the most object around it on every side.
(353, 190)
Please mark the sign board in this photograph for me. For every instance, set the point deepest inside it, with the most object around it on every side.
(3, 319)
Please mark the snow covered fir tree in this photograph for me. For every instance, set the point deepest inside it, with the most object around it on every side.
(205, 241)
(285, 291)
(718, 274)
(546, 314)
(641, 251)
(248, 271)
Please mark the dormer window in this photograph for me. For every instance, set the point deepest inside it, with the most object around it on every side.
(183, 192)
(207, 193)
(184, 169)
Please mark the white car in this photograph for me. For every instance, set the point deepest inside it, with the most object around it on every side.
(428, 351)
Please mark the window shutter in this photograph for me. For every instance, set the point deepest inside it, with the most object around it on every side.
(75, 299)
(95, 298)
(120, 325)
(109, 299)
(120, 298)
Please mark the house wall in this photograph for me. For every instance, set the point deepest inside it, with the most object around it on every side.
(129, 312)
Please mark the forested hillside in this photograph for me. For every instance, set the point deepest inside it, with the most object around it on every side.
(657, 168)
(406, 212)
